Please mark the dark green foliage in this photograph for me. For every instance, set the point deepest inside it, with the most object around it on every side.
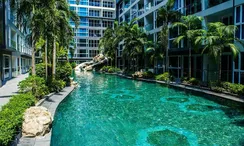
(35, 85)
(109, 69)
(233, 88)
(73, 64)
(163, 77)
(56, 85)
(63, 72)
(148, 75)
(41, 70)
(194, 81)
(11, 116)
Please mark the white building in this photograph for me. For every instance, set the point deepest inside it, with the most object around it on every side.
(95, 17)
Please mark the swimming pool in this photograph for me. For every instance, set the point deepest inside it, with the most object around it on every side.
(107, 110)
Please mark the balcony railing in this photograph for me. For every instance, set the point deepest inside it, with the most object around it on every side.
(212, 3)
(148, 6)
(13, 44)
(140, 12)
(94, 35)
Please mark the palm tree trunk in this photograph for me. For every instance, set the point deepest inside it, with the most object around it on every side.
(189, 59)
(46, 59)
(54, 57)
(220, 65)
(33, 57)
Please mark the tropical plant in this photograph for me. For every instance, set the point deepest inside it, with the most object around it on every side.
(217, 38)
(189, 26)
(109, 42)
(166, 15)
(163, 77)
(134, 40)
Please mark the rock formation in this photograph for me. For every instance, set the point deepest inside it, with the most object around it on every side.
(37, 122)
(89, 66)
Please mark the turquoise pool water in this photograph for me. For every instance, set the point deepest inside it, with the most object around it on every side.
(107, 110)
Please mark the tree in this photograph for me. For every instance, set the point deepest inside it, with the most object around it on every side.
(217, 38)
(167, 15)
(188, 26)
(135, 39)
(109, 42)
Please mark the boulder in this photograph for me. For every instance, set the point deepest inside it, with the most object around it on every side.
(37, 122)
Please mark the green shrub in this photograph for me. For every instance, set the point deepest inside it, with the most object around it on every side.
(109, 69)
(236, 89)
(73, 64)
(63, 72)
(11, 116)
(163, 77)
(35, 85)
(41, 70)
(56, 85)
(194, 81)
(148, 75)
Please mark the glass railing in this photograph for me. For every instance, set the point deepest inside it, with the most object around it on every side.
(148, 6)
(94, 14)
(13, 44)
(212, 3)
(148, 27)
(140, 12)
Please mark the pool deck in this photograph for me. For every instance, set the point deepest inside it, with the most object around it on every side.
(51, 103)
(191, 88)
(10, 89)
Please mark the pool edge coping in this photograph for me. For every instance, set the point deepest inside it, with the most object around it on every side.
(46, 140)
(185, 87)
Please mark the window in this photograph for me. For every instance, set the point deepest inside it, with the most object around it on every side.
(93, 43)
(82, 32)
(93, 53)
(94, 3)
(81, 43)
(107, 23)
(95, 13)
(82, 11)
(84, 2)
(83, 21)
(72, 1)
(238, 14)
(238, 31)
(94, 23)
(107, 14)
(72, 8)
(108, 4)
(94, 33)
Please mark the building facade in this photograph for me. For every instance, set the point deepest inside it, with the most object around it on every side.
(95, 17)
(204, 67)
(15, 54)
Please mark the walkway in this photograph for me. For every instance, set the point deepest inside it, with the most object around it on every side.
(51, 103)
(10, 88)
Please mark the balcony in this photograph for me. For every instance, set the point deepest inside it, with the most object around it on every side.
(94, 14)
(148, 6)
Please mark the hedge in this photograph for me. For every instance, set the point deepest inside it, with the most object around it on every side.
(11, 116)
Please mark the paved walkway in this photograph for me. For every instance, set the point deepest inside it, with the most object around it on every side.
(10, 88)
(51, 103)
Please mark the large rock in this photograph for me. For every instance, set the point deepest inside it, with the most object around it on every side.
(37, 122)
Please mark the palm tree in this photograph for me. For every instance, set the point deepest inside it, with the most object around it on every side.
(167, 15)
(188, 25)
(134, 40)
(217, 38)
(155, 52)
(109, 42)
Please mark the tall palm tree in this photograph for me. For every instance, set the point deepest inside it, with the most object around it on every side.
(166, 16)
(109, 42)
(134, 40)
(217, 38)
(188, 25)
